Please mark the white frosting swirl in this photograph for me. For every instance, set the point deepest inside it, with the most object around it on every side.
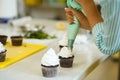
(50, 58)
(64, 40)
(65, 53)
(2, 49)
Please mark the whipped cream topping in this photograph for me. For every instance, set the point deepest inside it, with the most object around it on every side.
(50, 58)
(2, 49)
(64, 40)
(65, 53)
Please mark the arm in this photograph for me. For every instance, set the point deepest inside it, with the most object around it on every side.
(89, 19)
(91, 11)
(107, 33)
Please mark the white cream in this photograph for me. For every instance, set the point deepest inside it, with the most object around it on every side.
(65, 53)
(50, 58)
(64, 40)
(2, 49)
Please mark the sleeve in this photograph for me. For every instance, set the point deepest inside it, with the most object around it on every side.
(107, 33)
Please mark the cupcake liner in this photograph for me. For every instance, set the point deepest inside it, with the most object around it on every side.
(3, 39)
(49, 71)
(2, 57)
(66, 62)
(16, 40)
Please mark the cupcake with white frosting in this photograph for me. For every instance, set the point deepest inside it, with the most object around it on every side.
(64, 41)
(66, 57)
(49, 63)
(2, 52)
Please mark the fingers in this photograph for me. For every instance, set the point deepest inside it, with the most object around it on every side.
(82, 19)
(69, 15)
(78, 14)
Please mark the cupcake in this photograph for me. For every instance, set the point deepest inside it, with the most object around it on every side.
(3, 39)
(63, 42)
(66, 57)
(16, 40)
(49, 63)
(2, 52)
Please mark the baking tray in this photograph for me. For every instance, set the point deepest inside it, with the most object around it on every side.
(16, 53)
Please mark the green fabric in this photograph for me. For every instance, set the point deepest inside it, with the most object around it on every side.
(107, 33)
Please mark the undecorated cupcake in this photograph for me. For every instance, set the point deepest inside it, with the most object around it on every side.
(16, 40)
(49, 63)
(63, 42)
(2, 52)
(66, 57)
(3, 39)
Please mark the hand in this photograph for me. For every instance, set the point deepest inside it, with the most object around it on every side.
(80, 16)
(69, 15)
(90, 8)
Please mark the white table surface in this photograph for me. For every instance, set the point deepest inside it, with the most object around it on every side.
(87, 57)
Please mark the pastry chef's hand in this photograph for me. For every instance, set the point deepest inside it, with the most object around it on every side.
(91, 11)
(80, 16)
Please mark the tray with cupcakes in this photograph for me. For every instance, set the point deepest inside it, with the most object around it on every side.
(11, 52)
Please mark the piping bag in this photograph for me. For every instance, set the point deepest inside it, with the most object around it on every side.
(74, 27)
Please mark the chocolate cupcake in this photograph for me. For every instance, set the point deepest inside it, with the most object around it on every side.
(66, 58)
(66, 62)
(16, 40)
(63, 42)
(2, 53)
(49, 63)
(3, 39)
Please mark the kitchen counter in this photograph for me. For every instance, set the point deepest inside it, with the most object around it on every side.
(87, 57)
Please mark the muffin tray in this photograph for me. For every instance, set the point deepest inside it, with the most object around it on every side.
(16, 53)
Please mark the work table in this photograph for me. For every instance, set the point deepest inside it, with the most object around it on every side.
(87, 57)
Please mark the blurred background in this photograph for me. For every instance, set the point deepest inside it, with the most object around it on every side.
(52, 10)
(47, 9)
